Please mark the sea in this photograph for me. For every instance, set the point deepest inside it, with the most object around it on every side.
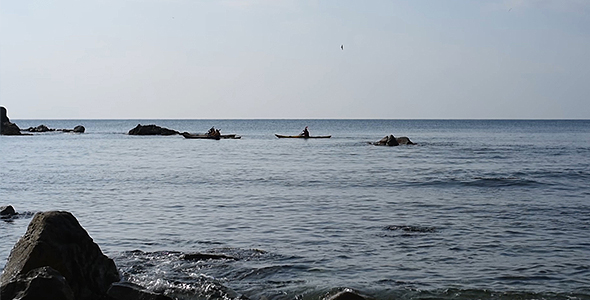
(476, 209)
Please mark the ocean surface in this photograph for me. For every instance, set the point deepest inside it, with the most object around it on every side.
(478, 209)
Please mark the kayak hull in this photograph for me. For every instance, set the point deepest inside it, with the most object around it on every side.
(302, 137)
(208, 137)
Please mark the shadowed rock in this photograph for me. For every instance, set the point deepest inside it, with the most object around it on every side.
(56, 239)
(6, 127)
(151, 130)
(39, 283)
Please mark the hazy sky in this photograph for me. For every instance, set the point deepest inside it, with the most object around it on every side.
(194, 59)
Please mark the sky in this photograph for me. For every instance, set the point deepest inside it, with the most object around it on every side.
(282, 59)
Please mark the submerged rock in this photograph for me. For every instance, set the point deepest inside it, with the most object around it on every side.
(347, 295)
(55, 239)
(151, 130)
(6, 127)
(205, 256)
(130, 291)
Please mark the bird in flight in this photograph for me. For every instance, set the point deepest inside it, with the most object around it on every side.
(342, 47)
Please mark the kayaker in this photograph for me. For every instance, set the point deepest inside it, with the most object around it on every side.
(211, 131)
(305, 132)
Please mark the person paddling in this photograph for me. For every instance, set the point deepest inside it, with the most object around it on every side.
(305, 133)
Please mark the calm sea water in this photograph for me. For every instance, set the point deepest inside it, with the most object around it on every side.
(475, 210)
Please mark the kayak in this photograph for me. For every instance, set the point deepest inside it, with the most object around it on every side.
(205, 136)
(302, 137)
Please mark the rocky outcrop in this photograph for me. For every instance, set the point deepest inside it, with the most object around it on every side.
(151, 130)
(43, 128)
(40, 128)
(393, 141)
(6, 127)
(56, 240)
(7, 211)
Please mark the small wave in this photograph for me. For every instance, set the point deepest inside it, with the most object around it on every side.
(500, 182)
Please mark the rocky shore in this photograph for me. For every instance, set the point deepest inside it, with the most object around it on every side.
(57, 259)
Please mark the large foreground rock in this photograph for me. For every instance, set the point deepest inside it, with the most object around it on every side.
(55, 239)
(6, 127)
(151, 130)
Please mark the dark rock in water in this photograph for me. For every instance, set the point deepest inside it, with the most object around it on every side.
(7, 211)
(39, 283)
(205, 256)
(3, 116)
(6, 127)
(393, 141)
(151, 130)
(405, 228)
(404, 141)
(79, 129)
(347, 295)
(387, 141)
(130, 291)
(56, 239)
(40, 128)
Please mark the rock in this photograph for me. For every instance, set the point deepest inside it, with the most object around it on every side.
(130, 291)
(3, 116)
(347, 295)
(79, 129)
(151, 130)
(39, 283)
(40, 128)
(56, 239)
(6, 127)
(7, 211)
(404, 141)
(393, 141)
